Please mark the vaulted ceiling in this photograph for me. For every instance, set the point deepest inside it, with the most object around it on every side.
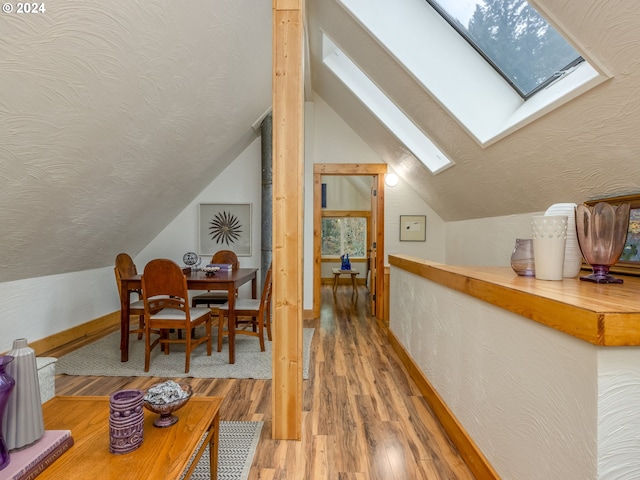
(585, 149)
(115, 115)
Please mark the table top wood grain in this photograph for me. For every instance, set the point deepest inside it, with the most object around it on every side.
(337, 271)
(164, 453)
(601, 314)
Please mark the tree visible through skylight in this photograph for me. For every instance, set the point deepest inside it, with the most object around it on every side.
(514, 38)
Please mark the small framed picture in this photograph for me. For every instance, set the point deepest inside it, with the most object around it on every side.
(413, 228)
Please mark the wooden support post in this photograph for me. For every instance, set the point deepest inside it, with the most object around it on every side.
(288, 213)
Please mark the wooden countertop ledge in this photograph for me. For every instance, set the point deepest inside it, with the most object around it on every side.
(601, 314)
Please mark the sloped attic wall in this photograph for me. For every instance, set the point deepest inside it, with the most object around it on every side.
(585, 149)
(240, 183)
(67, 300)
(115, 114)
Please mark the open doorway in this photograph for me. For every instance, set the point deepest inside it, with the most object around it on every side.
(346, 228)
(375, 242)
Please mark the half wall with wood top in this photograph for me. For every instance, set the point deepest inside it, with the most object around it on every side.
(532, 379)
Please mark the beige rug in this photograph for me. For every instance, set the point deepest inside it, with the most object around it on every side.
(102, 358)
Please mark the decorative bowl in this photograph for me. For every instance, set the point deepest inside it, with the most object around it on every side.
(210, 270)
(164, 399)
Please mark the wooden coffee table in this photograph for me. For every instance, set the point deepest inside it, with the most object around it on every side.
(164, 453)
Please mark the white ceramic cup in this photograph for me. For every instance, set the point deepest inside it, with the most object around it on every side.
(549, 239)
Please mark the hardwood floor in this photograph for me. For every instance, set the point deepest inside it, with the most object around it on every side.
(363, 417)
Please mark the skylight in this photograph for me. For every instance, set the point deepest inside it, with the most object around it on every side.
(454, 73)
(383, 108)
(513, 37)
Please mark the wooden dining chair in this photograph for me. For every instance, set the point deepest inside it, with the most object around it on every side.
(125, 268)
(166, 306)
(218, 297)
(249, 311)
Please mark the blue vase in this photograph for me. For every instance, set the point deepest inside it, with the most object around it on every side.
(6, 386)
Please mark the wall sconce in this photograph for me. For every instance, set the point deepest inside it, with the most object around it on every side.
(391, 179)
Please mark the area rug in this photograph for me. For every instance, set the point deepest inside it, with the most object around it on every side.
(237, 446)
(102, 358)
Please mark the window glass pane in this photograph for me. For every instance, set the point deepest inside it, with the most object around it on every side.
(513, 37)
(354, 233)
(331, 241)
(344, 235)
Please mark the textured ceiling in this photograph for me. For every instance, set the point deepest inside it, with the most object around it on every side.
(114, 116)
(585, 149)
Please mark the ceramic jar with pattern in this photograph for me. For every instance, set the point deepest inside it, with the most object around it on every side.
(126, 421)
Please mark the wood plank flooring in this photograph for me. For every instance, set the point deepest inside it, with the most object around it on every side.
(363, 417)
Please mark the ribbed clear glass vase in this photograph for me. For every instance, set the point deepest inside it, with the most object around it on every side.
(522, 260)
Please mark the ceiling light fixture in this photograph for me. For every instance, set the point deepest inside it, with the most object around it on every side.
(391, 179)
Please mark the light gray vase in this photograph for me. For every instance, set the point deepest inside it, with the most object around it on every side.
(23, 423)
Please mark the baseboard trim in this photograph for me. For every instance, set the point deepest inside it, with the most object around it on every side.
(471, 454)
(110, 321)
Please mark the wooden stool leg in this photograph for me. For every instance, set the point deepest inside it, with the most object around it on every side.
(335, 281)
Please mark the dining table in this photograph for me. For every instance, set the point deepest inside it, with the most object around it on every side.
(196, 280)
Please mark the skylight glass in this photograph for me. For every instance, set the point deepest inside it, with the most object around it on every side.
(513, 37)
(383, 108)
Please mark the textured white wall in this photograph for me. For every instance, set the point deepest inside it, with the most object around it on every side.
(334, 141)
(343, 195)
(618, 413)
(307, 247)
(486, 241)
(403, 200)
(527, 394)
(36, 308)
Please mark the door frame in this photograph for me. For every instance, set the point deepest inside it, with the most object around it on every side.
(375, 170)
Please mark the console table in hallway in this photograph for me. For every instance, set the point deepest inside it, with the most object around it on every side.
(336, 275)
